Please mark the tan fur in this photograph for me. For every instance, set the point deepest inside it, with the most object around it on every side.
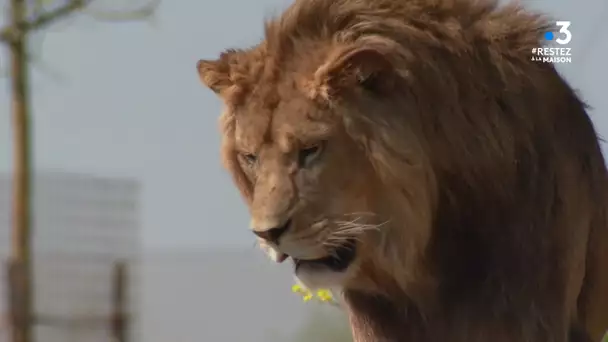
(474, 174)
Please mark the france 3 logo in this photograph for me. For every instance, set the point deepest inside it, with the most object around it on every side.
(555, 54)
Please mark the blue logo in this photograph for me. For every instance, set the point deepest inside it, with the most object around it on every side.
(564, 32)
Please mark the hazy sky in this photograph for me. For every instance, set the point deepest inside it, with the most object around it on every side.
(124, 99)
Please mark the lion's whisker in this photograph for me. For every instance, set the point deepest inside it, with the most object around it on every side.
(348, 230)
(352, 227)
(360, 213)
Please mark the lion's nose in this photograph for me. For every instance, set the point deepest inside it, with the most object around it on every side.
(273, 234)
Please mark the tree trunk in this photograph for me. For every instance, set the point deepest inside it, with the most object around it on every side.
(21, 235)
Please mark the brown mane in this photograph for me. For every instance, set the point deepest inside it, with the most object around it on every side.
(492, 158)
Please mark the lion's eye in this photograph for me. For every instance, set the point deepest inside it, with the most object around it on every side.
(308, 155)
(249, 158)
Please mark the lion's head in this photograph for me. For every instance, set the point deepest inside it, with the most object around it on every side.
(342, 124)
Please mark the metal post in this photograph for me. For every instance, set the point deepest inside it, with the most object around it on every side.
(120, 321)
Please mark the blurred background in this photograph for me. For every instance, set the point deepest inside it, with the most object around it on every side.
(132, 214)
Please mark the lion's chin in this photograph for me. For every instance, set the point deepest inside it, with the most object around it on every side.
(328, 272)
(315, 278)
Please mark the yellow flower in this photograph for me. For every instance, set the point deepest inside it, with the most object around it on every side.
(322, 295)
(297, 288)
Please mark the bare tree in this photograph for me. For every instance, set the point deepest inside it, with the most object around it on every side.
(24, 18)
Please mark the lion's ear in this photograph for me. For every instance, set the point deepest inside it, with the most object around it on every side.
(366, 66)
(215, 74)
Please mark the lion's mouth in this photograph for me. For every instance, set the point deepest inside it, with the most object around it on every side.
(338, 261)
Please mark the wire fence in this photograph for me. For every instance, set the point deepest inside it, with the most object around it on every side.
(69, 309)
(85, 246)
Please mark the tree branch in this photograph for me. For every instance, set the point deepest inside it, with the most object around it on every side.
(11, 33)
(143, 12)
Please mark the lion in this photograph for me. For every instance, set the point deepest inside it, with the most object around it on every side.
(411, 154)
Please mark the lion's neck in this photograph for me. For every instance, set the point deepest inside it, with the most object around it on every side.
(380, 319)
